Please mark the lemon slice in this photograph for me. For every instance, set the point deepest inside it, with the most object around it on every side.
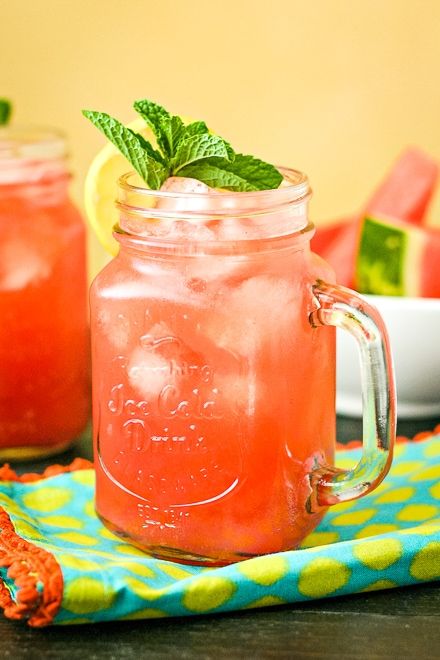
(100, 188)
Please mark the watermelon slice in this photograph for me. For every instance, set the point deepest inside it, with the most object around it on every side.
(396, 258)
(405, 194)
(407, 190)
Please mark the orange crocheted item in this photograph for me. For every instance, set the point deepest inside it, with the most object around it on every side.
(7, 474)
(35, 571)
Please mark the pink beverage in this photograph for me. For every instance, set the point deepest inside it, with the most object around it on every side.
(214, 376)
(44, 380)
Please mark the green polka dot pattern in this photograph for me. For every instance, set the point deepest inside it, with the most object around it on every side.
(387, 539)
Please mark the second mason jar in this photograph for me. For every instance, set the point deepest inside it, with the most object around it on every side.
(44, 375)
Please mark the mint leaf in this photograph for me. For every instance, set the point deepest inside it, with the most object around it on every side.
(152, 171)
(216, 177)
(155, 116)
(199, 147)
(5, 111)
(196, 128)
(255, 172)
(152, 113)
(243, 174)
(148, 147)
(172, 130)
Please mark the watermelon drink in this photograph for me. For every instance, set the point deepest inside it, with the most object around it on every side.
(213, 354)
(43, 331)
(204, 358)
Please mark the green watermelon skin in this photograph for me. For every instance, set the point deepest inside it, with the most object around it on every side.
(410, 268)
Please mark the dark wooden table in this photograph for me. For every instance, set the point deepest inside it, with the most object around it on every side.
(395, 624)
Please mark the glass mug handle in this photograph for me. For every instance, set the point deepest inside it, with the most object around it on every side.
(345, 309)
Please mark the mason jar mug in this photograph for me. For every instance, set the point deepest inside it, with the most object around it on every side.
(213, 353)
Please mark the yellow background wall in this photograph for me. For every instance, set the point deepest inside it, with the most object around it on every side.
(333, 87)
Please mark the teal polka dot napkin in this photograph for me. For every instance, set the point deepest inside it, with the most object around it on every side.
(59, 565)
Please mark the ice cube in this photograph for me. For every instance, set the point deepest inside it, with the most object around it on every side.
(186, 228)
(259, 310)
(186, 195)
(115, 326)
(216, 270)
(240, 393)
(161, 359)
(21, 265)
(148, 372)
(154, 282)
(203, 199)
(180, 230)
(157, 333)
(182, 184)
(230, 229)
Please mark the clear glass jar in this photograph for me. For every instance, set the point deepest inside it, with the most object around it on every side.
(214, 375)
(44, 372)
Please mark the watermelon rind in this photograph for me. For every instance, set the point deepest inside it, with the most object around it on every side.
(389, 258)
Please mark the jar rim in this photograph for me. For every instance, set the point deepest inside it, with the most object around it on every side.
(31, 143)
(138, 201)
(294, 188)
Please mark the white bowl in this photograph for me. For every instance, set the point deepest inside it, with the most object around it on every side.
(414, 328)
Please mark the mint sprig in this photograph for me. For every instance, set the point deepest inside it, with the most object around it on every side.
(5, 111)
(184, 150)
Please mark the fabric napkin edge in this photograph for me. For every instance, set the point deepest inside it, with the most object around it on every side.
(35, 572)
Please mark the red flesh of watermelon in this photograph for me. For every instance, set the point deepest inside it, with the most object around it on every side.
(430, 274)
(327, 235)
